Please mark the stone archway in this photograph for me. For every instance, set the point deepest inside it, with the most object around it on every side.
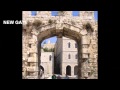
(62, 27)
(68, 70)
(63, 30)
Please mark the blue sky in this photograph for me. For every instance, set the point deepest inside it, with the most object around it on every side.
(75, 13)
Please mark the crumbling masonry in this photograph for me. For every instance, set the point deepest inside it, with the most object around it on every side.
(65, 25)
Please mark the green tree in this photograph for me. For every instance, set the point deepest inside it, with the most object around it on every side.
(45, 49)
(48, 50)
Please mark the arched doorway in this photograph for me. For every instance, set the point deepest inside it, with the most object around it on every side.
(75, 70)
(59, 30)
(42, 69)
(63, 31)
(60, 26)
(68, 70)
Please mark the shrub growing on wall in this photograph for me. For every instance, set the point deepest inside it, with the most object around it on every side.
(37, 23)
(88, 27)
(27, 28)
(51, 21)
(28, 23)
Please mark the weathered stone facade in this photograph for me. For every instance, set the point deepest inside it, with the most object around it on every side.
(68, 26)
(47, 62)
(47, 59)
(63, 52)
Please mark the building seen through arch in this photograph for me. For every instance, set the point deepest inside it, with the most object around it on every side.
(47, 58)
(65, 57)
(66, 54)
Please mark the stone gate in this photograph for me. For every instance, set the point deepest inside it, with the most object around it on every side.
(83, 29)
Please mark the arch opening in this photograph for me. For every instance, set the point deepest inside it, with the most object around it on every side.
(35, 32)
(68, 33)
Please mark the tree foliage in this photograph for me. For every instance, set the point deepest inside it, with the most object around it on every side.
(88, 27)
(51, 21)
(48, 50)
(37, 23)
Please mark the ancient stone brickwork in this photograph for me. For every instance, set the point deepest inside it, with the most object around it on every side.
(89, 42)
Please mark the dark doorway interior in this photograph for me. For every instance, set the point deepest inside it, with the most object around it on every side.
(68, 70)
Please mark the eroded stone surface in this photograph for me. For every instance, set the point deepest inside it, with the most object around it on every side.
(63, 23)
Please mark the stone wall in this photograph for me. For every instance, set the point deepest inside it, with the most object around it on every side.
(89, 56)
(29, 54)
